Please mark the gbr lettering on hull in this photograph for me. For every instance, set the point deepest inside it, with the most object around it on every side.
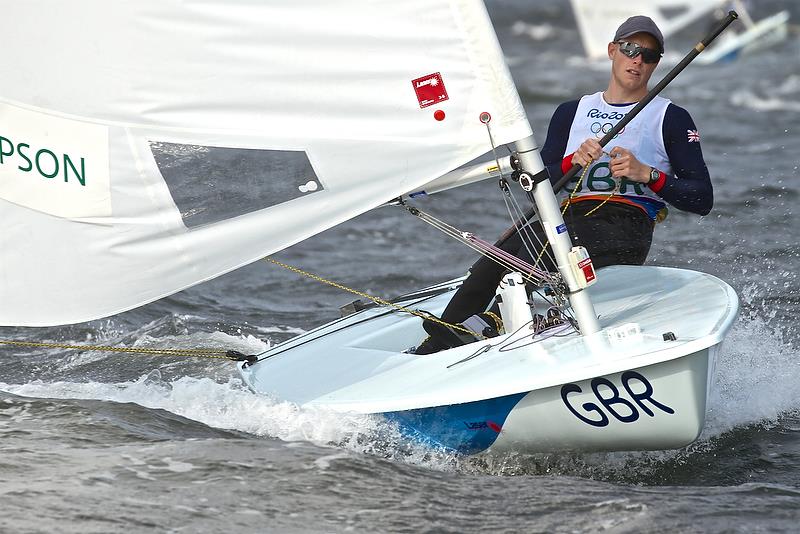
(624, 408)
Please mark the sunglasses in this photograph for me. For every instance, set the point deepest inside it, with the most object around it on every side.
(632, 50)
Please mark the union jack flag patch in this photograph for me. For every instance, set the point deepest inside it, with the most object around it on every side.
(694, 136)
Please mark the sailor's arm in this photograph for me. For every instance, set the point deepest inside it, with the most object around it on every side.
(557, 136)
(689, 189)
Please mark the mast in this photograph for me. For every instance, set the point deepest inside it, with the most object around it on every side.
(552, 221)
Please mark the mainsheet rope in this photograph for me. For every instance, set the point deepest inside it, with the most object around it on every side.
(187, 353)
(376, 300)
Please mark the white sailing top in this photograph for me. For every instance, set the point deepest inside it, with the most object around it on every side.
(642, 136)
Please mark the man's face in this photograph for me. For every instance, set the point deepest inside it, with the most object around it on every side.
(632, 73)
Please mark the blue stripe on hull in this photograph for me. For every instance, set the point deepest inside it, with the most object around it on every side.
(465, 428)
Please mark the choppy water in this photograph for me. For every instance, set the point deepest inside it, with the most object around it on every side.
(93, 442)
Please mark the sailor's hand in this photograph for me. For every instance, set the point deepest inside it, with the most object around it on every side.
(624, 164)
(590, 150)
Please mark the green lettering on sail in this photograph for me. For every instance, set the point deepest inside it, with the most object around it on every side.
(80, 176)
(24, 156)
(5, 151)
(54, 163)
(47, 163)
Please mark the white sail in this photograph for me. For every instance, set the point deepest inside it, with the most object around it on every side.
(598, 19)
(151, 145)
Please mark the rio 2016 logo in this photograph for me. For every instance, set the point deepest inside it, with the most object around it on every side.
(595, 113)
(625, 410)
(607, 119)
(601, 129)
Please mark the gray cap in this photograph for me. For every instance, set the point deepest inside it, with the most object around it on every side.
(639, 24)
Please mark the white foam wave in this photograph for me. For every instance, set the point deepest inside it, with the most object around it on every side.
(756, 378)
(230, 406)
(790, 85)
(221, 405)
(748, 99)
(536, 32)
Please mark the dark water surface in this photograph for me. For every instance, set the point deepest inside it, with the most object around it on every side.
(93, 442)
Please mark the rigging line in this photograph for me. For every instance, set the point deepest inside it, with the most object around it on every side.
(512, 208)
(486, 119)
(551, 301)
(502, 257)
(522, 268)
(482, 350)
(488, 253)
(498, 257)
(554, 281)
(530, 232)
(520, 221)
(269, 353)
(522, 224)
(463, 237)
(526, 232)
(188, 353)
(567, 202)
(559, 330)
(505, 343)
(521, 264)
(460, 236)
(376, 300)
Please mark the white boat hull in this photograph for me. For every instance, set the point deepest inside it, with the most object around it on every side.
(629, 387)
(661, 406)
(763, 34)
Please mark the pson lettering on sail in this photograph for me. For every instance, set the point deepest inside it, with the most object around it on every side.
(623, 409)
(43, 161)
(54, 164)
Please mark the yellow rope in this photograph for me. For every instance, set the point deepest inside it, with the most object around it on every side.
(498, 322)
(221, 354)
(580, 181)
(564, 209)
(572, 195)
(188, 353)
(376, 300)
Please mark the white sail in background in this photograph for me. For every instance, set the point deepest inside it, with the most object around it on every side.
(598, 19)
(148, 146)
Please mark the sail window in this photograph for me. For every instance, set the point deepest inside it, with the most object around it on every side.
(211, 184)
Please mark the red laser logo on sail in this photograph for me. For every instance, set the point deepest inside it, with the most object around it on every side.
(430, 89)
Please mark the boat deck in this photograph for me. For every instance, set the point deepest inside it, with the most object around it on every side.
(357, 363)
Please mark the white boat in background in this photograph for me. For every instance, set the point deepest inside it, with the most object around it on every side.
(597, 20)
(756, 36)
(121, 182)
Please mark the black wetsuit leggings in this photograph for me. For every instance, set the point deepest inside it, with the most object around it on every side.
(615, 234)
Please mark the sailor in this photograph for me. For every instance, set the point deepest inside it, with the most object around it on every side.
(612, 207)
